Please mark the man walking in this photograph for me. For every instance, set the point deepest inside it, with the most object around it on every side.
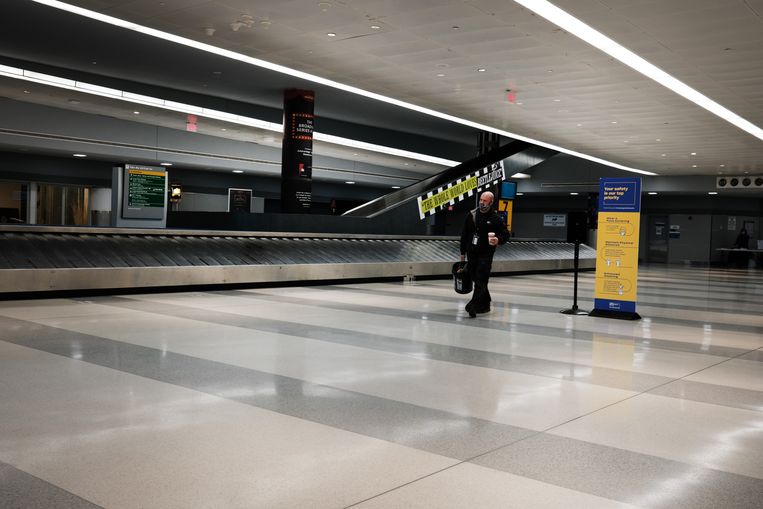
(483, 230)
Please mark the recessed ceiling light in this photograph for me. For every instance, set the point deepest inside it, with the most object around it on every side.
(223, 129)
(580, 125)
(658, 139)
(557, 100)
(349, 182)
(613, 122)
(712, 192)
(694, 153)
(79, 155)
(395, 187)
(664, 155)
(440, 75)
(165, 164)
(625, 141)
(573, 194)
(238, 171)
(723, 166)
(375, 27)
(331, 34)
(519, 103)
(651, 192)
(481, 69)
(693, 165)
(520, 194)
(136, 112)
(27, 92)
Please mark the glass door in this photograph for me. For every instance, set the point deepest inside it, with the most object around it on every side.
(63, 205)
(13, 202)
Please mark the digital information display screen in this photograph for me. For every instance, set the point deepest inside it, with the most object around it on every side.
(145, 192)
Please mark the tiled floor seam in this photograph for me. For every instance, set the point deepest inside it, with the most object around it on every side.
(662, 344)
(433, 347)
(656, 320)
(534, 434)
(603, 408)
(529, 437)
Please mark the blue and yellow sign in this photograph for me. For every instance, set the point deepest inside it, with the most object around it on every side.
(617, 246)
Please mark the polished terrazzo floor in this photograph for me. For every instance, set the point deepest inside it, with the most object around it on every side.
(387, 395)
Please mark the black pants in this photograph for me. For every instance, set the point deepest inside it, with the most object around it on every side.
(479, 270)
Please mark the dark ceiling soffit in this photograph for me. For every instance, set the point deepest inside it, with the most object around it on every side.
(397, 198)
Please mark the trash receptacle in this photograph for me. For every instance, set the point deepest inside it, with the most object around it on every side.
(462, 282)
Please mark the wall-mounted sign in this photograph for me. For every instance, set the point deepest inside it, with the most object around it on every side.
(506, 211)
(459, 189)
(239, 200)
(145, 192)
(617, 248)
(554, 220)
(176, 192)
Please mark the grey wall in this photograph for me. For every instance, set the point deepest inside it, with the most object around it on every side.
(120, 141)
(529, 225)
(202, 202)
(694, 242)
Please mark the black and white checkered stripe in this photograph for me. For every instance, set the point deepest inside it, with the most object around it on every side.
(478, 173)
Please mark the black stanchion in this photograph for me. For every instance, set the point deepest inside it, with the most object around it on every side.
(574, 309)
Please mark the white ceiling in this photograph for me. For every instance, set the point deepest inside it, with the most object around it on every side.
(571, 93)
(567, 92)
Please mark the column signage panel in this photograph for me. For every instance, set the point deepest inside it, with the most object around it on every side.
(617, 248)
(297, 151)
(145, 192)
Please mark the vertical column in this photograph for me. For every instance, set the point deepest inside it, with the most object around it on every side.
(297, 151)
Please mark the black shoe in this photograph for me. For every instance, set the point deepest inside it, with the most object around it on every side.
(470, 309)
(483, 310)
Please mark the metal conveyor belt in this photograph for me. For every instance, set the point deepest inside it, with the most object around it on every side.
(38, 259)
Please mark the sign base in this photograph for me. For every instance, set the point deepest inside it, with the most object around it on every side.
(574, 311)
(620, 315)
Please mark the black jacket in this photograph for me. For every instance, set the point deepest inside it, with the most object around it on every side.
(486, 222)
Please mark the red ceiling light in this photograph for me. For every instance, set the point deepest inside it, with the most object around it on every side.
(511, 96)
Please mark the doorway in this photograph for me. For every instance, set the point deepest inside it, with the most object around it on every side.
(13, 203)
(658, 240)
(63, 205)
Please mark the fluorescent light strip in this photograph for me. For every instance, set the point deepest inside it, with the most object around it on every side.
(111, 93)
(388, 150)
(598, 40)
(316, 79)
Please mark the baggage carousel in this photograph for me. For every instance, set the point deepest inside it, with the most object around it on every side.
(35, 259)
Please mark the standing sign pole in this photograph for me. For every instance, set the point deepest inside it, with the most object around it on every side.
(617, 248)
(574, 309)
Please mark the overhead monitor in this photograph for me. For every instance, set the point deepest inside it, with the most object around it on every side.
(508, 190)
